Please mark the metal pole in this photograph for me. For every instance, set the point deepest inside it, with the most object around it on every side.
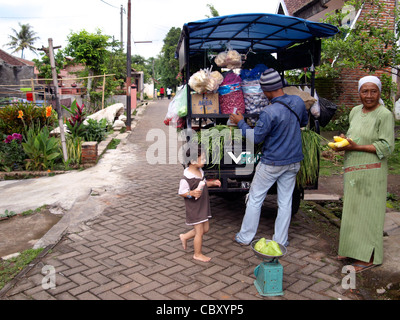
(58, 106)
(128, 72)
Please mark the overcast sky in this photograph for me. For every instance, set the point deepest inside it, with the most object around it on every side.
(151, 19)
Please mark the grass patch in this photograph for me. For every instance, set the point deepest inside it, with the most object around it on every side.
(332, 162)
(113, 144)
(394, 159)
(10, 268)
(392, 201)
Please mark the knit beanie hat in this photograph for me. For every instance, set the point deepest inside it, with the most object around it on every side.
(270, 80)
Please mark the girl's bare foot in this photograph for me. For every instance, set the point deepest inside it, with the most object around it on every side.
(184, 241)
(202, 258)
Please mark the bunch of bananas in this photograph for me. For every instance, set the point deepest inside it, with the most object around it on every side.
(339, 142)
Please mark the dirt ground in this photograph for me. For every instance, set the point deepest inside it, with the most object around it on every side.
(20, 233)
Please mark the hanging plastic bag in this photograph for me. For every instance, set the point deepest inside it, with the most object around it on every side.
(315, 108)
(172, 114)
(230, 59)
(397, 110)
(328, 110)
(177, 109)
(205, 81)
(181, 101)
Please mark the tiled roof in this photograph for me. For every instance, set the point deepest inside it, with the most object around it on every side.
(294, 5)
(9, 59)
(26, 62)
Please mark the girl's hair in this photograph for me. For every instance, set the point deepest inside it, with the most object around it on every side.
(193, 153)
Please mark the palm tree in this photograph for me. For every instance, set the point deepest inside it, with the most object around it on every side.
(23, 39)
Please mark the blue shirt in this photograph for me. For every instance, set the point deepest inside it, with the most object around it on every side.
(280, 131)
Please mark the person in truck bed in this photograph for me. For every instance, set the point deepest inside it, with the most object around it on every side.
(278, 127)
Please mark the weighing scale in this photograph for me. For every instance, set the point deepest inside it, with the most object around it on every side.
(269, 273)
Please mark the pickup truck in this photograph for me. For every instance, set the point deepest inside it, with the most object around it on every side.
(278, 41)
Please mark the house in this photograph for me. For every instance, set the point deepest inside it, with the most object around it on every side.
(343, 91)
(13, 69)
(313, 10)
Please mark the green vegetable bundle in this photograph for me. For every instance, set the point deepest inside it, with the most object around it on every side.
(309, 166)
(215, 140)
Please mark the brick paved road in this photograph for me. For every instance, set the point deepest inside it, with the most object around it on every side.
(132, 251)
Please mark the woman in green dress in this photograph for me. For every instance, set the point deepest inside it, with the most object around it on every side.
(371, 141)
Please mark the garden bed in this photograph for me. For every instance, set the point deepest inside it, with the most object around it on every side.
(99, 148)
(30, 146)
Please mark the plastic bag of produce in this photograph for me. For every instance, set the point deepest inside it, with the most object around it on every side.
(177, 109)
(172, 114)
(230, 59)
(181, 101)
(254, 98)
(253, 74)
(231, 94)
(205, 81)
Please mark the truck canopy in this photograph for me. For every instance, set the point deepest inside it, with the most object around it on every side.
(243, 32)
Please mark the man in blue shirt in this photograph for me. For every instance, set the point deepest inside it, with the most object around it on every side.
(279, 128)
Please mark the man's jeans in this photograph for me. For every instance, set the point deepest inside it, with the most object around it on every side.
(265, 176)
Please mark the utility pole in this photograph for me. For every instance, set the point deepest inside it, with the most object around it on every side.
(129, 73)
(122, 27)
(50, 53)
(58, 106)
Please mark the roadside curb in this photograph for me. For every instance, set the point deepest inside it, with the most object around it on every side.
(325, 213)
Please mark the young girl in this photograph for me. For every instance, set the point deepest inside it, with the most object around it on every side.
(197, 203)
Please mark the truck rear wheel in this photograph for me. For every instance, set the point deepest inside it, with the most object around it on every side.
(298, 193)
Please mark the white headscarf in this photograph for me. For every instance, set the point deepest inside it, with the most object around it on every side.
(374, 80)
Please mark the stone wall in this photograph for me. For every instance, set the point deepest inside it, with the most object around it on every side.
(11, 75)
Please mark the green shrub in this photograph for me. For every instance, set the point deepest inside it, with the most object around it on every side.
(75, 122)
(12, 155)
(95, 130)
(41, 149)
(12, 122)
(74, 149)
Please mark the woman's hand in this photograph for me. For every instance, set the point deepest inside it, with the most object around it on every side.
(352, 146)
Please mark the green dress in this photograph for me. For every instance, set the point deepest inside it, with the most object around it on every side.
(365, 185)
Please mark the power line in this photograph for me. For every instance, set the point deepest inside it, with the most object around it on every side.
(41, 17)
(109, 4)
